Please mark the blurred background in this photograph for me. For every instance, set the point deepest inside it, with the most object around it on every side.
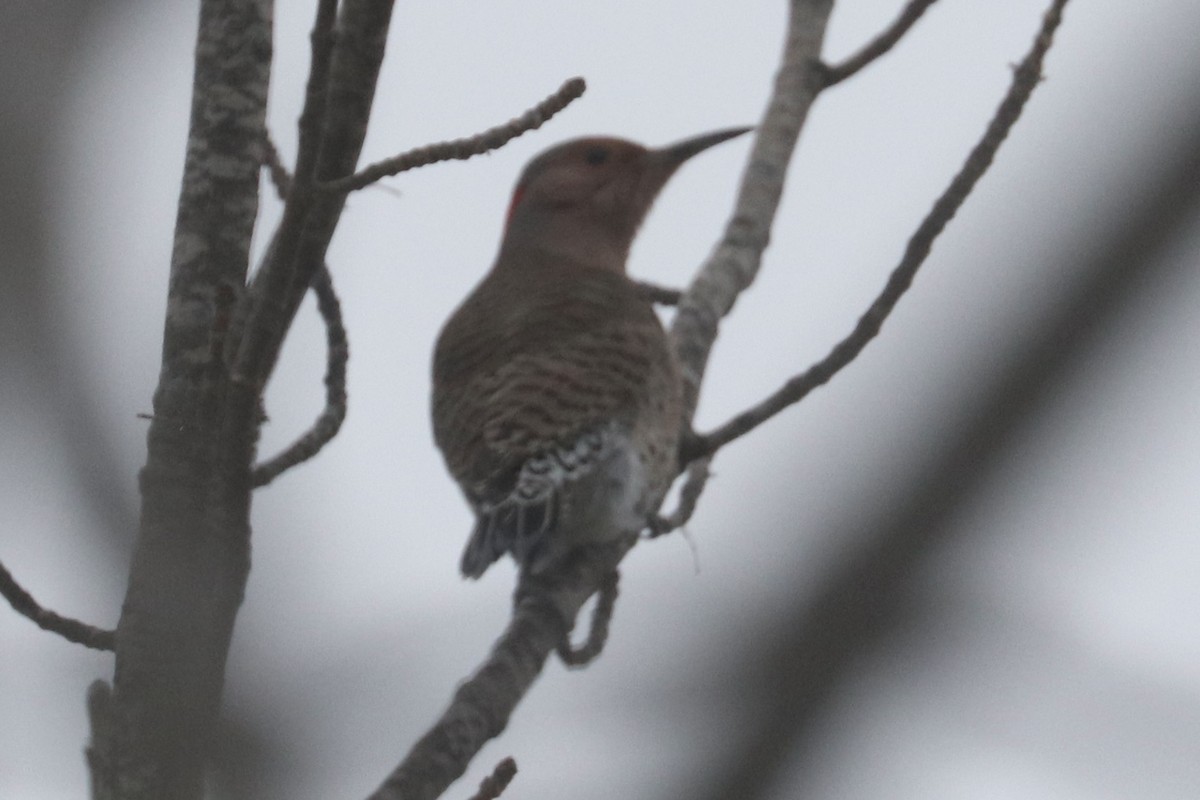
(965, 569)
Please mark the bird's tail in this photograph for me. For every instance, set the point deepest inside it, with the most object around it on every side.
(569, 487)
(517, 524)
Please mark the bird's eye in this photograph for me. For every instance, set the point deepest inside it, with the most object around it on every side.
(596, 156)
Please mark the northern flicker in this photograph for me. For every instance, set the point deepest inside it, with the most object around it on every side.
(556, 397)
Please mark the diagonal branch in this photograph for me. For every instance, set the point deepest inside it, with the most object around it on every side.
(462, 149)
(1025, 79)
(346, 60)
(807, 653)
(734, 263)
(70, 629)
(544, 610)
(836, 73)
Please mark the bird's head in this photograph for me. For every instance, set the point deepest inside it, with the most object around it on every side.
(584, 199)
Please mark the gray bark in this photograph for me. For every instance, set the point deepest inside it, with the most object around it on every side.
(151, 737)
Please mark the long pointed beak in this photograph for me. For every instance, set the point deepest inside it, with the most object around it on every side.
(661, 163)
(676, 154)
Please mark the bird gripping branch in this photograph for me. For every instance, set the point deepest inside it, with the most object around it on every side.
(556, 396)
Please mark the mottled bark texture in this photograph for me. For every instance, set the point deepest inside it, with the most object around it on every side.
(192, 553)
(333, 125)
(151, 733)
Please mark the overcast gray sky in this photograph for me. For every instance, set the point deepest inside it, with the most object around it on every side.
(1053, 651)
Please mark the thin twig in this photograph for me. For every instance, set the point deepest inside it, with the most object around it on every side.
(586, 653)
(345, 68)
(338, 354)
(462, 149)
(698, 473)
(280, 177)
(659, 295)
(494, 785)
(70, 629)
(331, 417)
(1026, 77)
(880, 44)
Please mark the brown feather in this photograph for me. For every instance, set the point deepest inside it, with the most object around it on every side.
(556, 396)
(532, 360)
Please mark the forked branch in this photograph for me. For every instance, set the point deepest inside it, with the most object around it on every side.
(1026, 77)
(337, 355)
(885, 41)
(333, 415)
(734, 263)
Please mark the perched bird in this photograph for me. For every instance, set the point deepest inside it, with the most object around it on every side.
(556, 397)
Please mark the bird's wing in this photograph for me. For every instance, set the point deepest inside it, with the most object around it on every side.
(490, 421)
(514, 435)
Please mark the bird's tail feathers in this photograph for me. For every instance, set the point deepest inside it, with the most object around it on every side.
(525, 520)
(518, 524)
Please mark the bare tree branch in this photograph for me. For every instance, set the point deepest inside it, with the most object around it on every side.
(544, 611)
(1118, 262)
(70, 629)
(734, 264)
(338, 354)
(494, 785)
(698, 473)
(462, 149)
(341, 88)
(331, 417)
(836, 73)
(1026, 77)
(191, 557)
